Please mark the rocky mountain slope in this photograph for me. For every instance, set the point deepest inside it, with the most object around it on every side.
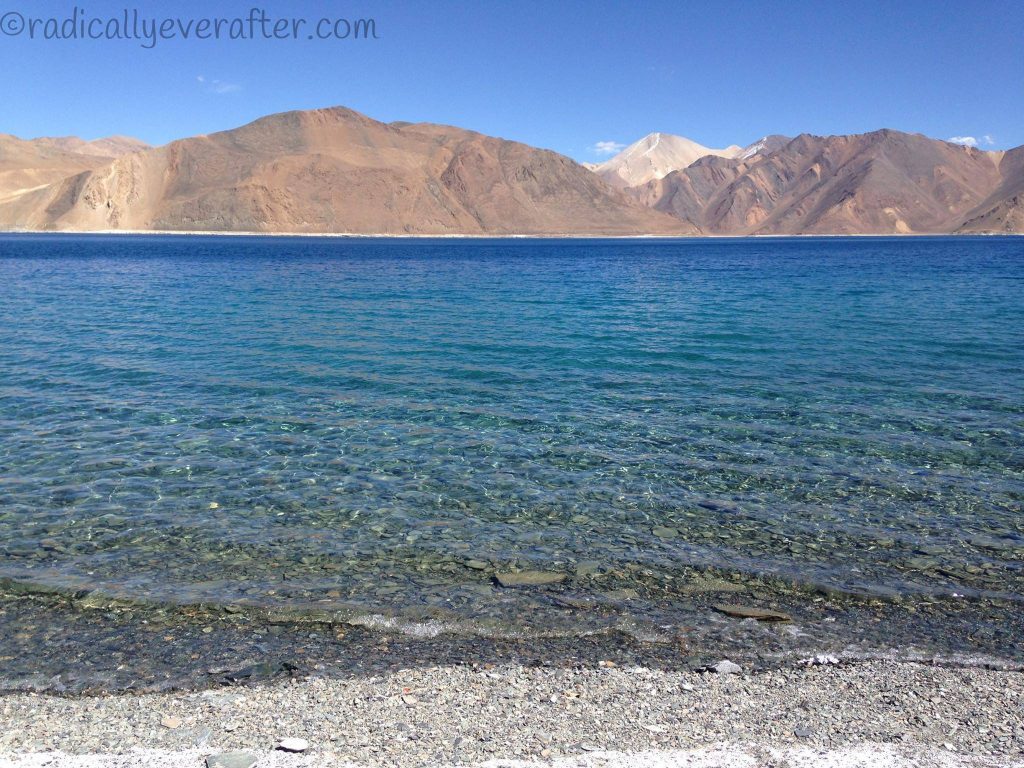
(335, 170)
(28, 165)
(885, 182)
(1003, 210)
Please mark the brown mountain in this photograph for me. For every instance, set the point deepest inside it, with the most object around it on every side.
(885, 182)
(335, 170)
(109, 147)
(27, 164)
(1003, 210)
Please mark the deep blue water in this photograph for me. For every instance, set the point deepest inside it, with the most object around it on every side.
(382, 425)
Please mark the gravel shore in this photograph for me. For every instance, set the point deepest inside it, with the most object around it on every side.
(870, 714)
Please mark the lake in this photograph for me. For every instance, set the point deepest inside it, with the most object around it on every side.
(392, 430)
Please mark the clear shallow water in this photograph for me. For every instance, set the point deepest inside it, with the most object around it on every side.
(381, 426)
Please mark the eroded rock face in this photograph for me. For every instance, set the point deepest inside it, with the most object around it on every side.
(1002, 211)
(39, 176)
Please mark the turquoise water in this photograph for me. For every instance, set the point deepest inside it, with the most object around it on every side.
(382, 426)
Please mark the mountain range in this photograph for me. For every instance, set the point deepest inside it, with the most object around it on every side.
(337, 171)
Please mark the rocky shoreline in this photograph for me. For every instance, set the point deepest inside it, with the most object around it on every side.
(88, 682)
(88, 644)
(610, 713)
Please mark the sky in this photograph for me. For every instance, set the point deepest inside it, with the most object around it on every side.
(582, 77)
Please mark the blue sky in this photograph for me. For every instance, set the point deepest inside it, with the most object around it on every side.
(565, 74)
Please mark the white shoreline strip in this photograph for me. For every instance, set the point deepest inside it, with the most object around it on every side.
(866, 755)
(876, 715)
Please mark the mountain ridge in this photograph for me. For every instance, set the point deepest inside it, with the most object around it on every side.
(881, 182)
(335, 170)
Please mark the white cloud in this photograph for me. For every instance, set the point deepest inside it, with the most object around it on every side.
(988, 140)
(607, 147)
(966, 141)
(217, 86)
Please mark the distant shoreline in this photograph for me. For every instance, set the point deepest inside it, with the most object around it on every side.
(550, 236)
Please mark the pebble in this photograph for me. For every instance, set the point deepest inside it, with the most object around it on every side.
(748, 612)
(820, 659)
(293, 745)
(171, 722)
(202, 737)
(231, 760)
(726, 667)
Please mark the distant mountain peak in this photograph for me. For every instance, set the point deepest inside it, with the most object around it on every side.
(654, 157)
(765, 145)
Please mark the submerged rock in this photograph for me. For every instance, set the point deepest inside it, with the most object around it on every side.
(618, 595)
(706, 584)
(588, 568)
(262, 671)
(528, 578)
(95, 600)
(748, 612)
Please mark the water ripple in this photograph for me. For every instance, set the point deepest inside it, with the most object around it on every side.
(352, 422)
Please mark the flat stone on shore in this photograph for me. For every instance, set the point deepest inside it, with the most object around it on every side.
(231, 760)
(293, 745)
